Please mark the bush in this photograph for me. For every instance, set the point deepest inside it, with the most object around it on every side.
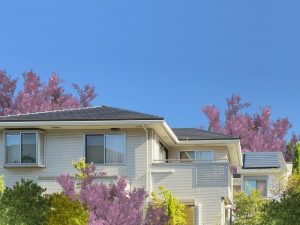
(24, 204)
(249, 210)
(64, 211)
(287, 210)
(174, 210)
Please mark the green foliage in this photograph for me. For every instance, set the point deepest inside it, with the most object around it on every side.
(287, 210)
(249, 209)
(279, 184)
(2, 184)
(24, 204)
(296, 161)
(174, 209)
(80, 165)
(64, 211)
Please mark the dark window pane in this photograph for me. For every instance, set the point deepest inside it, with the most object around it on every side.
(95, 149)
(187, 156)
(28, 148)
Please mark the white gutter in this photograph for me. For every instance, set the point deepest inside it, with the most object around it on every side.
(79, 123)
(189, 142)
(170, 132)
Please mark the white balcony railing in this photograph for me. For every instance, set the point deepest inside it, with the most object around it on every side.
(187, 161)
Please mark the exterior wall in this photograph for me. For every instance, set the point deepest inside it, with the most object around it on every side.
(183, 181)
(205, 183)
(64, 146)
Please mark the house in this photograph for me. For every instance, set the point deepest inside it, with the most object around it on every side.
(263, 171)
(192, 163)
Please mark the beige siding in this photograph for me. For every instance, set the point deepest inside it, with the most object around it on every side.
(206, 184)
(220, 152)
(183, 181)
(65, 146)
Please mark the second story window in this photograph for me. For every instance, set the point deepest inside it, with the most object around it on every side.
(102, 149)
(24, 148)
(195, 156)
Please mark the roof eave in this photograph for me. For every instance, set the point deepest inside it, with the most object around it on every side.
(78, 123)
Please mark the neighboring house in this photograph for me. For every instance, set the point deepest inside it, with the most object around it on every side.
(263, 171)
(192, 163)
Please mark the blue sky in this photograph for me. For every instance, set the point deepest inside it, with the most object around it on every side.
(163, 57)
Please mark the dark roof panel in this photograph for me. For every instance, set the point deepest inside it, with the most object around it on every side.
(199, 134)
(258, 160)
(82, 114)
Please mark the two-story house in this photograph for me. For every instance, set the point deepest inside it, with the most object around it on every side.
(192, 163)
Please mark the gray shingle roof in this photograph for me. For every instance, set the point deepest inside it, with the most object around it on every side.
(82, 114)
(257, 160)
(199, 134)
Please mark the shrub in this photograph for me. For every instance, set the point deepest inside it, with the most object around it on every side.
(174, 210)
(64, 211)
(286, 211)
(23, 204)
(249, 210)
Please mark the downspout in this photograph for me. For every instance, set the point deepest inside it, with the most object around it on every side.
(147, 160)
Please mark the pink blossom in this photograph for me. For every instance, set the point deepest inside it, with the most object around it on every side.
(109, 204)
(36, 96)
(257, 132)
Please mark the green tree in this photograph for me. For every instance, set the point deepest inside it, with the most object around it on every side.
(2, 184)
(296, 160)
(249, 208)
(174, 208)
(285, 211)
(65, 211)
(24, 204)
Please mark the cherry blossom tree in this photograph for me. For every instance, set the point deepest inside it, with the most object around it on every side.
(111, 204)
(258, 132)
(36, 96)
(7, 90)
(107, 204)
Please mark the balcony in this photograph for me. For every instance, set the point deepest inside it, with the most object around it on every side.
(192, 176)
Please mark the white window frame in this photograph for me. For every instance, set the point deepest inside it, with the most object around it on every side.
(199, 160)
(105, 134)
(38, 162)
(246, 180)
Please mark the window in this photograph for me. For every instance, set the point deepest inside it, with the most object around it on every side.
(188, 156)
(160, 153)
(28, 148)
(101, 149)
(192, 156)
(259, 184)
(114, 148)
(24, 148)
(94, 148)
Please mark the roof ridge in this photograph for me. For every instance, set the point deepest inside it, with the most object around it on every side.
(135, 111)
(226, 135)
(51, 111)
